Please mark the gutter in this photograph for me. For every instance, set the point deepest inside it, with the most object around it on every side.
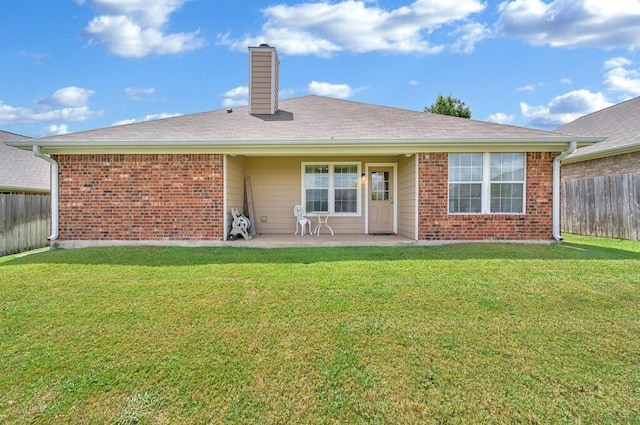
(266, 146)
(556, 189)
(603, 153)
(54, 191)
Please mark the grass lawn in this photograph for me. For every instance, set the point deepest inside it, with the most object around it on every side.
(457, 334)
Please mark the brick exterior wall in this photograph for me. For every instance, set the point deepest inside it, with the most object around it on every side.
(435, 223)
(141, 197)
(611, 165)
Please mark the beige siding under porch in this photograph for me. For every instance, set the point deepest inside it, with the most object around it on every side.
(276, 187)
(406, 196)
(235, 186)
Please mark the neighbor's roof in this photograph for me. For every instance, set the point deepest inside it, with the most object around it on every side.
(20, 171)
(620, 124)
(302, 123)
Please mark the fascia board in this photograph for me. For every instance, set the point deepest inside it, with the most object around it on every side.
(25, 189)
(309, 147)
(601, 154)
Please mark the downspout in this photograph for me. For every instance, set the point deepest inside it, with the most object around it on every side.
(54, 191)
(556, 189)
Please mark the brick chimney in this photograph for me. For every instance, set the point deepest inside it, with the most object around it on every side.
(263, 80)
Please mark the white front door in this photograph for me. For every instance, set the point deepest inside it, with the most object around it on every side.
(381, 200)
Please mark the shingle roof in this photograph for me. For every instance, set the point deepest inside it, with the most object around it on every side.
(620, 124)
(306, 118)
(20, 171)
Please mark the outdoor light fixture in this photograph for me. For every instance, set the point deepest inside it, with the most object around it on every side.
(363, 177)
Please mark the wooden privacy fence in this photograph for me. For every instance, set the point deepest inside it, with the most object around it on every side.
(606, 206)
(24, 222)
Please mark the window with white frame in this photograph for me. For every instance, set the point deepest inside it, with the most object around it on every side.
(331, 188)
(487, 183)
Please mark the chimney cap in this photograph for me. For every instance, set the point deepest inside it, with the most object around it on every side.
(264, 45)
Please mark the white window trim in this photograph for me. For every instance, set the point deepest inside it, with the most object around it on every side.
(331, 165)
(486, 187)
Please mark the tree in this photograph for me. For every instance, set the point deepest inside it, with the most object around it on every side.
(449, 106)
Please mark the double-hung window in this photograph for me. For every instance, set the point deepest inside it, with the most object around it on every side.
(331, 188)
(486, 183)
(507, 182)
(465, 182)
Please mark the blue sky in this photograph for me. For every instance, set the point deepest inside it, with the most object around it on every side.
(74, 65)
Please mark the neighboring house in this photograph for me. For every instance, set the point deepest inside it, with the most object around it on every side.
(20, 171)
(375, 169)
(601, 183)
(24, 198)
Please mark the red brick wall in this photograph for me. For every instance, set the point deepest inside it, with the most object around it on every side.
(435, 223)
(618, 164)
(140, 197)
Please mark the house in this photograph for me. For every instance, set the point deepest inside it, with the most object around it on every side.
(601, 183)
(20, 171)
(372, 169)
(24, 198)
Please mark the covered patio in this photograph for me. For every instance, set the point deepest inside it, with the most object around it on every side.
(282, 240)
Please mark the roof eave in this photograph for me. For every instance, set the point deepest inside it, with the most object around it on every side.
(24, 189)
(310, 147)
(604, 153)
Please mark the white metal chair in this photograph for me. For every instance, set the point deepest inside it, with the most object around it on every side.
(301, 219)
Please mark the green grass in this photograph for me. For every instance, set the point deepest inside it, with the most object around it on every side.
(474, 333)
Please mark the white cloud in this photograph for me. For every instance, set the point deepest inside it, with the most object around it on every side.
(620, 79)
(617, 62)
(150, 117)
(288, 42)
(37, 58)
(340, 91)
(123, 37)
(324, 28)
(564, 108)
(527, 88)
(71, 96)
(472, 34)
(236, 97)
(137, 93)
(66, 104)
(80, 113)
(286, 93)
(57, 130)
(151, 13)
(572, 23)
(500, 118)
(134, 28)
(10, 114)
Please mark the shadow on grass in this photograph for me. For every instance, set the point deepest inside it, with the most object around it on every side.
(181, 256)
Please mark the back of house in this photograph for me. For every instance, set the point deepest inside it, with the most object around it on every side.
(367, 169)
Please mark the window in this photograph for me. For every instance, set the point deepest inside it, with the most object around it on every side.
(331, 187)
(507, 182)
(316, 183)
(380, 186)
(486, 183)
(465, 182)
